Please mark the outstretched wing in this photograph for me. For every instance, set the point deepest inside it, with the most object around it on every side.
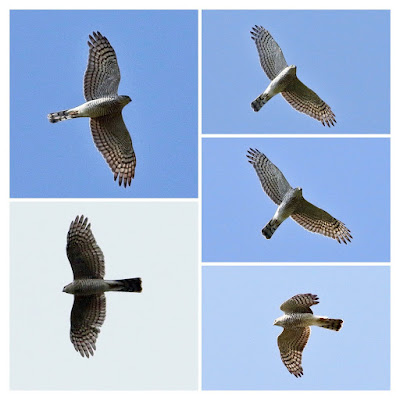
(317, 220)
(291, 343)
(272, 180)
(271, 57)
(84, 255)
(87, 316)
(113, 141)
(102, 74)
(300, 303)
(304, 100)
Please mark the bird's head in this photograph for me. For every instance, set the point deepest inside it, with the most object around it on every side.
(125, 100)
(68, 289)
(278, 321)
(299, 191)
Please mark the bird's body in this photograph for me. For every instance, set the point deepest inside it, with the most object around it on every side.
(284, 80)
(93, 108)
(296, 322)
(104, 108)
(291, 203)
(88, 287)
(277, 85)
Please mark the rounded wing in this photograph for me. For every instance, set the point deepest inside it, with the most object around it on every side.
(112, 139)
(272, 180)
(300, 303)
(317, 220)
(291, 343)
(102, 74)
(87, 316)
(304, 100)
(84, 255)
(271, 57)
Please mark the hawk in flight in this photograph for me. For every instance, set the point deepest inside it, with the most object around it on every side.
(284, 80)
(296, 324)
(291, 203)
(88, 287)
(104, 108)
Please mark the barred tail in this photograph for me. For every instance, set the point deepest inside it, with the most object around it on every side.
(127, 285)
(270, 228)
(328, 323)
(257, 104)
(62, 115)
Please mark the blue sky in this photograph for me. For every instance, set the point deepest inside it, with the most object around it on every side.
(348, 178)
(239, 339)
(344, 56)
(157, 56)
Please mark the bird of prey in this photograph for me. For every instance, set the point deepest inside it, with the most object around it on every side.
(291, 203)
(284, 80)
(296, 324)
(104, 108)
(88, 287)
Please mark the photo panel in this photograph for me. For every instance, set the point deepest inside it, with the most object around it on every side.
(347, 178)
(240, 350)
(339, 55)
(157, 55)
(152, 336)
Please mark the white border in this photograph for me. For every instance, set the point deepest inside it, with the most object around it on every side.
(206, 4)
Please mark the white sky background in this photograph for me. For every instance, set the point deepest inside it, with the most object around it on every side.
(148, 340)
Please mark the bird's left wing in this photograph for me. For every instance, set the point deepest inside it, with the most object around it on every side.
(300, 303)
(114, 142)
(306, 101)
(317, 220)
(84, 255)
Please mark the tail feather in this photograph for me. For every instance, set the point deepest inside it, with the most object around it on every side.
(61, 115)
(270, 228)
(329, 323)
(128, 285)
(257, 104)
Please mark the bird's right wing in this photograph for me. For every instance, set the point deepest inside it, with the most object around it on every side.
(291, 343)
(114, 142)
(306, 101)
(271, 57)
(84, 255)
(300, 303)
(272, 180)
(87, 316)
(102, 74)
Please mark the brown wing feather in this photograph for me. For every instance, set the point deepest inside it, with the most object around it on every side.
(114, 142)
(300, 303)
(304, 100)
(87, 316)
(84, 255)
(317, 220)
(291, 343)
(102, 74)
(271, 178)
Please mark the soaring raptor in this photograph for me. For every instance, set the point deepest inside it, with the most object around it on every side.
(284, 80)
(291, 203)
(104, 108)
(296, 324)
(88, 287)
